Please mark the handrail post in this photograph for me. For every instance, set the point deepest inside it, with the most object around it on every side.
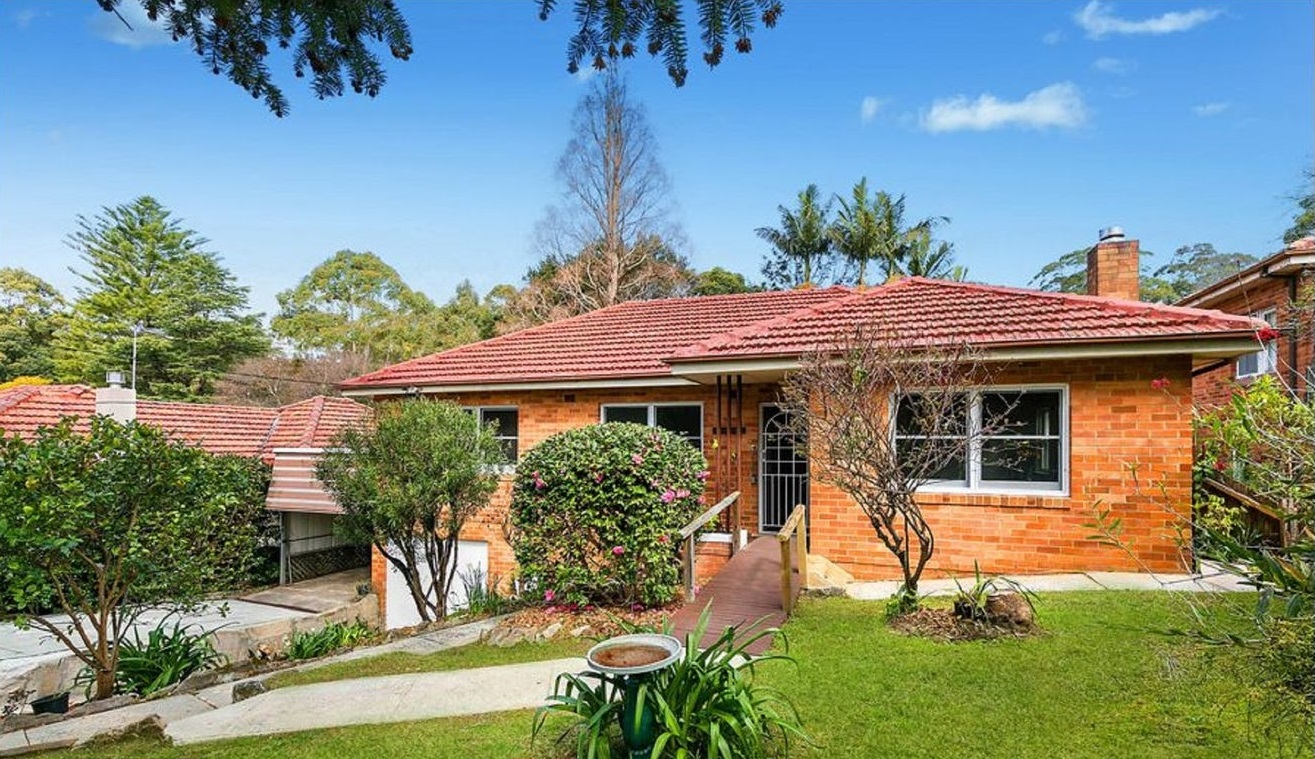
(787, 592)
(688, 562)
(801, 546)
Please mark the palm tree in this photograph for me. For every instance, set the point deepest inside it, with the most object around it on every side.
(926, 257)
(801, 245)
(873, 230)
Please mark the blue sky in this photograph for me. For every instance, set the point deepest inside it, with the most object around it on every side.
(1030, 124)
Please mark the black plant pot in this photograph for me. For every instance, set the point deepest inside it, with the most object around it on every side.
(56, 704)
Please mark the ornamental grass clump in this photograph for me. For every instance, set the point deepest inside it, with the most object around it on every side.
(595, 514)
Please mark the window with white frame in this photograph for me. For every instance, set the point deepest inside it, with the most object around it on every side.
(1264, 360)
(684, 419)
(1023, 449)
(505, 423)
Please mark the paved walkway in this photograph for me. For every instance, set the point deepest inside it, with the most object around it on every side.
(745, 591)
(396, 698)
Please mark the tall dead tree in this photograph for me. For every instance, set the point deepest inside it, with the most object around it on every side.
(884, 416)
(610, 239)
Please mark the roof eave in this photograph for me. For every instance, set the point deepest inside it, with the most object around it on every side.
(1225, 345)
(494, 385)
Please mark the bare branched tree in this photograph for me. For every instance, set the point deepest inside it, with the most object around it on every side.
(884, 415)
(280, 380)
(611, 238)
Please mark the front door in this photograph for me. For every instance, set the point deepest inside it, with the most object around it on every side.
(782, 469)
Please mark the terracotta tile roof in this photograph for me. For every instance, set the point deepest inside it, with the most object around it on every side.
(238, 430)
(643, 338)
(627, 340)
(938, 312)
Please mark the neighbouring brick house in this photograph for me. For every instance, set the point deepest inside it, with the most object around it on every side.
(288, 438)
(1267, 290)
(709, 369)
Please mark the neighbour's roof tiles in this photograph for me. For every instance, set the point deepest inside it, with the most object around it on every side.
(936, 312)
(237, 430)
(643, 338)
(627, 340)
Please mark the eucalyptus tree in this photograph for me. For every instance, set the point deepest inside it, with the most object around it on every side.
(32, 311)
(801, 245)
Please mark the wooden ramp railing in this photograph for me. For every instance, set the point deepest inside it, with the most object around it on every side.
(689, 536)
(796, 559)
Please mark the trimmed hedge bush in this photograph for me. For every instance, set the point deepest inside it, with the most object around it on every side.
(595, 512)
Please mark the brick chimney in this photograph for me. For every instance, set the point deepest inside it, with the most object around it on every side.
(1113, 266)
(116, 401)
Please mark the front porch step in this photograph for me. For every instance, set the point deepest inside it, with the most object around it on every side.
(826, 577)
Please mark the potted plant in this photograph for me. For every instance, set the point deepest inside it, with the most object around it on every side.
(53, 704)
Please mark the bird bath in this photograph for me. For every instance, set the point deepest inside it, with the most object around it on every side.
(629, 661)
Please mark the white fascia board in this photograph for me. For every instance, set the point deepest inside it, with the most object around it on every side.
(1206, 348)
(599, 384)
(294, 451)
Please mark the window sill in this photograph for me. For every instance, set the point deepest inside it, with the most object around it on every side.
(1032, 499)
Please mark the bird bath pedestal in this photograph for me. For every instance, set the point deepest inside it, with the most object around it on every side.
(629, 662)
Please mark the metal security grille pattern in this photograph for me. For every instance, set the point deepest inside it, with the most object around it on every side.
(782, 469)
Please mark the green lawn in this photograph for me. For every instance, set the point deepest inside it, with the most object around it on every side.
(465, 657)
(1102, 682)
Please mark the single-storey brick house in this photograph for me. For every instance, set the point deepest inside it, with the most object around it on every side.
(289, 438)
(1267, 290)
(709, 368)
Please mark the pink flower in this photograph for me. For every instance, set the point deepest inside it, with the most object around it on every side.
(636, 459)
(663, 539)
(636, 607)
(548, 596)
(668, 495)
(539, 484)
(618, 550)
(1160, 383)
(682, 493)
(1220, 466)
(702, 475)
(703, 500)
(1265, 334)
(598, 477)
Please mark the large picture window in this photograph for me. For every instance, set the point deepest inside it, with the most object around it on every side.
(1010, 439)
(505, 421)
(1264, 360)
(684, 419)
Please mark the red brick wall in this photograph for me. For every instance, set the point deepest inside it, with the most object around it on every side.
(1214, 388)
(1118, 424)
(1130, 449)
(1113, 270)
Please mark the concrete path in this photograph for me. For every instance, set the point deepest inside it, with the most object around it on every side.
(1210, 581)
(318, 595)
(397, 698)
(80, 730)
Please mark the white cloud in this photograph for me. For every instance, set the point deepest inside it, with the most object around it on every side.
(1059, 105)
(1099, 21)
(144, 32)
(1114, 65)
(1211, 109)
(24, 18)
(1053, 37)
(868, 109)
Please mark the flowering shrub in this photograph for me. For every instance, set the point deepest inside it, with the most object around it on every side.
(595, 512)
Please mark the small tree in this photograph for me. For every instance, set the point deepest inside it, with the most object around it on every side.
(409, 484)
(103, 526)
(883, 416)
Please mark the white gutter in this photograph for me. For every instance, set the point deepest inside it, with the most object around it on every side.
(601, 384)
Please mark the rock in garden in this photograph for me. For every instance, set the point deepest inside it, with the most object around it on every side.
(1010, 609)
(511, 638)
(248, 689)
(549, 632)
(581, 631)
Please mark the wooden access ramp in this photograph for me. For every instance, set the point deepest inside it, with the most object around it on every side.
(755, 588)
